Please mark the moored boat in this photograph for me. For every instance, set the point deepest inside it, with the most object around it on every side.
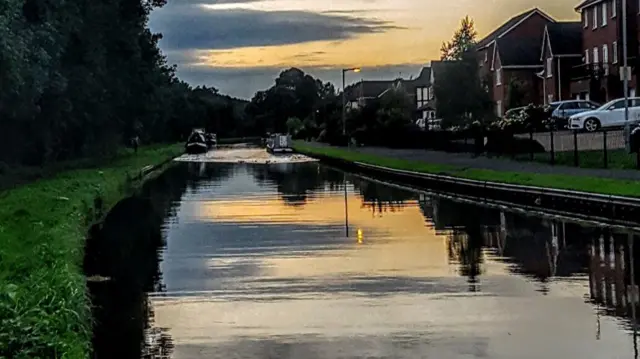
(212, 140)
(196, 143)
(277, 143)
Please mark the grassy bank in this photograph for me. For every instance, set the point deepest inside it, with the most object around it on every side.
(578, 183)
(44, 311)
(616, 159)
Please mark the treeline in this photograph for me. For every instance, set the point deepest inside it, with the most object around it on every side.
(78, 78)
(308, 108)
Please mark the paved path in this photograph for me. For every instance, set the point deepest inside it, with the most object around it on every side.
(466, 160)
(564, 141)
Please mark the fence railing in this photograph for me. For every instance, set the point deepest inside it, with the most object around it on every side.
(600, 149)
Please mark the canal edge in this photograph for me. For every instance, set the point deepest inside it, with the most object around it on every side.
(620, 209)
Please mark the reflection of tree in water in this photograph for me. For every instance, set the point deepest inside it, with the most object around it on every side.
(381, 198)
(296, 181)
(465, 249)
(201, 171)
(122, 254)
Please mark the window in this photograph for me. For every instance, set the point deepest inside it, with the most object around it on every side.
(604, 13)
(550, 67)
(586, 56)
(595, 17)
(616, 105)
(585, 17)
(614, 47)
(499, 108)
(422, 96)
(605, 58)
(549, 98)
(499, 77)
(596, 58)
(486, 55)
(614, 8)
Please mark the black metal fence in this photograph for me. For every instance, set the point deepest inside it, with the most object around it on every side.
(600, 149)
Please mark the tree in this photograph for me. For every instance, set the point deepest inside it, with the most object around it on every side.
(294, 94)
(460, 95)
(294, 125)
(464, 39)
(517, 93)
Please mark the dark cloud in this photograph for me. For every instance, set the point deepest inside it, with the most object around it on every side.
(195, 27)
(244, 82)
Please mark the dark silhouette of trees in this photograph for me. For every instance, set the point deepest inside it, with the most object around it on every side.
(78, 78)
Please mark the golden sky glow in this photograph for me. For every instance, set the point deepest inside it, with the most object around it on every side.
(416, 248)
(424, 25)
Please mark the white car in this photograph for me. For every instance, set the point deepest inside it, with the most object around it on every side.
(611, 114)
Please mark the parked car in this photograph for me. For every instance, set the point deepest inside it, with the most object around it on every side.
(561, 111)
(608, 115)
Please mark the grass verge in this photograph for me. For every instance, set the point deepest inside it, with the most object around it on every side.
(44, 310)
(616, 159)
(577, 183)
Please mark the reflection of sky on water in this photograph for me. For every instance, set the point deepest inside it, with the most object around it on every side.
(248, 275)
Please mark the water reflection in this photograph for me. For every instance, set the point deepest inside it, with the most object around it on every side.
(254, 263)
(122, 264)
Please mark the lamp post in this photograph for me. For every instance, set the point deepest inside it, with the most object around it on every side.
(344, 133)
(344, 101)
(625, 64)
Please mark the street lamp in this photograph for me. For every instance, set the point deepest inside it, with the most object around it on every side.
(344, 101)
(625, 64)
(344, 133)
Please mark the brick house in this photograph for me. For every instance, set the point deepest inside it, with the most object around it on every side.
(511, 52)
(358, 94)
(561, 52)
(598, 76)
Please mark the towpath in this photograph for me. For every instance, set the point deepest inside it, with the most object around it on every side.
(467, 160)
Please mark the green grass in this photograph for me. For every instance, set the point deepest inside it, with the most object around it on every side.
(577, 183)
(44, 309)
(616, 159)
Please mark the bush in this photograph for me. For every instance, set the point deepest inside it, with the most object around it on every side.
(501, 143)
(530, 118)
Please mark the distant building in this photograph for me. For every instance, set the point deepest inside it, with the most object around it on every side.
(512, 51)
(360, 93)
(598, 77)
(561, 52)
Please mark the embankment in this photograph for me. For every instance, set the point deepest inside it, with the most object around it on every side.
(532, 192)
(581, 180)
(44, 306)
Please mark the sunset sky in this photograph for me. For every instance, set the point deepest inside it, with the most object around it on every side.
(240, 46)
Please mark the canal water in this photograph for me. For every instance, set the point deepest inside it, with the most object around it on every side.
(216, 260)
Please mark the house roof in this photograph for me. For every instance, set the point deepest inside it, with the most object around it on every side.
(424, 79)
(519, 52)
(587, 3)
(368, 89)
(565, 38)
(508, 26)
